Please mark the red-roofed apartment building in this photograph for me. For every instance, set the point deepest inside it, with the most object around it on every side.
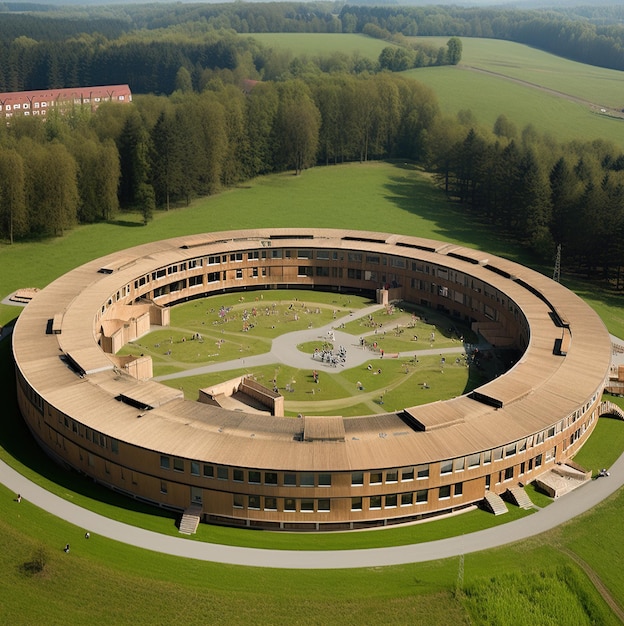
(39, 102)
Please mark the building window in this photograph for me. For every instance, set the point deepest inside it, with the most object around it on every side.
(487, 457)
(238, 475)
(164, 462)
(446, 467)
(307, 505)
(459, 489)
(194, 468)
(375, 478)
(407, 499)
(324, 480)
(445, 492)
(459, 464)
(270, 504)
(356, 504)
(270, 478)
(510, 450)
(422, 471)
(178, 465)
(509, 472)
(222, 473)
(391, 501)
(392, 476)
(375, 502)
(474, 460)
(254, 477)
(498, 454)
(254, 502)
(422, 496)
(208, 471)
(357, 478)
(323, 504)
(307, 480)
(238, 501)
(290, 480)
(407, 473)
(163, 487)
(290, 504)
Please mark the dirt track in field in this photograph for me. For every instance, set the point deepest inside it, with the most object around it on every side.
(595, 108)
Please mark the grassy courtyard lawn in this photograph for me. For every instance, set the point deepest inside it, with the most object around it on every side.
(234, 326)
(399, 385)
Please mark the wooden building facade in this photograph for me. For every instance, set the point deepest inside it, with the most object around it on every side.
(102, 416)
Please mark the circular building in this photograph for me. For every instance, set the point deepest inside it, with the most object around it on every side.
(103, 416)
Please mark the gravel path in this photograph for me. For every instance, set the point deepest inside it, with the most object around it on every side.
(579, 501)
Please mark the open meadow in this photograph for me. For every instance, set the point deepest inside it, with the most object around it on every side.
(556, 96)
(539, 580)
(322, 44)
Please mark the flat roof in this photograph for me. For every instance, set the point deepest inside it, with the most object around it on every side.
(542, 387)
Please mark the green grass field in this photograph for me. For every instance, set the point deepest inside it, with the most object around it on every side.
(120, 584)
(491, 94)
(226, 328)
(322, 44)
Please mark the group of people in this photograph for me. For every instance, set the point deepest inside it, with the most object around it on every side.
(330, 357)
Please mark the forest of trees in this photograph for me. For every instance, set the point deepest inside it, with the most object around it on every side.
(163, 151)
(43, 46)
(195, 131)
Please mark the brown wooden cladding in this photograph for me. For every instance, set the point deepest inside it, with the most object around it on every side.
(145, 440)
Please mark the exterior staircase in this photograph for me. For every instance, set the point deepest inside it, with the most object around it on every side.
(519, 497)
(495, 504)
(190, 519)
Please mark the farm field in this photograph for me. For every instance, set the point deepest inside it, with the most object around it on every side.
(124, 584)
(322, 44)
(500, 77)
(513, 60)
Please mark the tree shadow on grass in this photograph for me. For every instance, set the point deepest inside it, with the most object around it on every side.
(416, 194)
(126, 223)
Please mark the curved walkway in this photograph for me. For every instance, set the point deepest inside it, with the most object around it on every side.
(284, 349)
(579, 501)
(561, 510)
